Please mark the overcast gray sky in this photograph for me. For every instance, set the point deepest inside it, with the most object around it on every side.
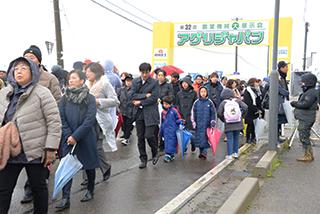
(90, 31)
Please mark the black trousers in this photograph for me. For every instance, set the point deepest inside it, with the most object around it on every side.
(150, 133)
(37, 175)
(250, 132)
(127, 127)
(91, 175)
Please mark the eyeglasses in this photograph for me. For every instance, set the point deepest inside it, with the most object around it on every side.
(21, 68)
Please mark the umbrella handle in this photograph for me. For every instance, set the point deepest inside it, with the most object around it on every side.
(72, 150)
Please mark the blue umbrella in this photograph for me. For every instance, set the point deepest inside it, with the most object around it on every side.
(183, 137)
(68, 167)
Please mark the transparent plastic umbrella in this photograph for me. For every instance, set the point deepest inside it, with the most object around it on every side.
(68, 167)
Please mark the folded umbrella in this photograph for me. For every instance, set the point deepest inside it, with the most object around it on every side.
(68, 167)
(183, 137)
(214, 135)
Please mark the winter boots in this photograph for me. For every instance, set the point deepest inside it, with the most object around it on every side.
(308, 155)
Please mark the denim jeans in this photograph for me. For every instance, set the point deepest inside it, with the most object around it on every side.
(233, 141)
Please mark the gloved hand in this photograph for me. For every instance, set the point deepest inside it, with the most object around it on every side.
(213, 123)
(293, 103)
(49, 157)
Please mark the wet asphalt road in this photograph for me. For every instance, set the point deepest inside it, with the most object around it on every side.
(130, 189)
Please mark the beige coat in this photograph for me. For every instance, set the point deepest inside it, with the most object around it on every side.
(51, 82)
(37, 119)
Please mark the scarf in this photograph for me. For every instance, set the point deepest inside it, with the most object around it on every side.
(253, 95)
(77, 95)
(283, 75)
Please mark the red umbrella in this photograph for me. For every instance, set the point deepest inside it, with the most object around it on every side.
(169, 69)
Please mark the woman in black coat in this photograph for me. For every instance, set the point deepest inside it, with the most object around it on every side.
(78, 113)
(252, 97)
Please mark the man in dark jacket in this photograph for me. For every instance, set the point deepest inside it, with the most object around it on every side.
(126, 108)
(283, 95)
(144, 95)
(214, 89)
(305, 112)
(165, 88)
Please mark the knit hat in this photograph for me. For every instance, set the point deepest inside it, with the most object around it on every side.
(35, 50)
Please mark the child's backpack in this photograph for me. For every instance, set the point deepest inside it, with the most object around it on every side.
(232, 111)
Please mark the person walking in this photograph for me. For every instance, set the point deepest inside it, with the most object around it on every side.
(126, 108)
(305, 112)
(35, 112)
(144, 96)
(49, 81)
(203, 117)
(214, 89)
(170, 121)
(78, 112)
(231, 111)
(106, 98)
(184, 102)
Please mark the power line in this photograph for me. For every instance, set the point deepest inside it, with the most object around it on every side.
(141, 19)
(144, 27)
(141, 11)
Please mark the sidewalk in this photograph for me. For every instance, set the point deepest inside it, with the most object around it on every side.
(294, 187)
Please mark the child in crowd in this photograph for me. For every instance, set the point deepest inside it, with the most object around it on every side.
(170, 120)
(203, 116)
(126, 108)
(231, 111)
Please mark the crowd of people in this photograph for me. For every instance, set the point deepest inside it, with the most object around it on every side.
(84, 109)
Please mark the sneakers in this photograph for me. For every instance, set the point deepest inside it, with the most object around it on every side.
(235, 155)
(193, 148)
(203, 156)
(168, 158)
(229, 157)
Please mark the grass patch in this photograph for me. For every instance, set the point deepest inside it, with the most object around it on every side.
(276, 163)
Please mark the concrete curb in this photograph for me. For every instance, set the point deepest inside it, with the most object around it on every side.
(264, 164)
(184, 197)
(241, 197)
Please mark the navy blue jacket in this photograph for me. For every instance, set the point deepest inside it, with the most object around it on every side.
(79, 121)
(169, 125)
(203, 112)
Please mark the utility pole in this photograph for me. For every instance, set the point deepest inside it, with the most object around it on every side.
(305, 45)
(236, 60)
(58, 32)
(274, 76)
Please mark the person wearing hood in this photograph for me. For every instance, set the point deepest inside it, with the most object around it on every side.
(62, 76)
(35, 112)
(214, 89)
(203, 116)
(184, 102)
(49, 81)
(231, 111)
(305, 113)
(113, 77)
